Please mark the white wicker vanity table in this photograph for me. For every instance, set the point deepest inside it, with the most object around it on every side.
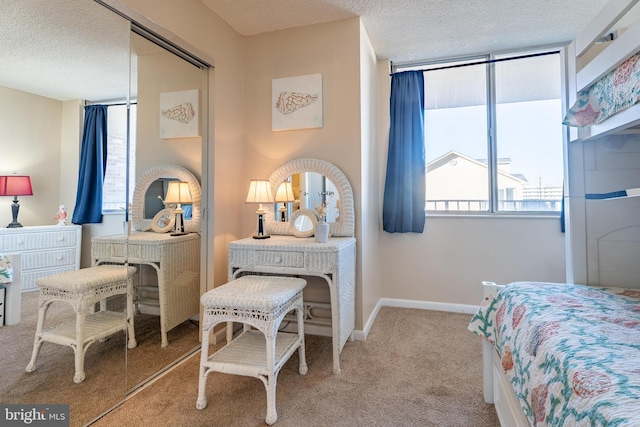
(176, 260)
(333, 261)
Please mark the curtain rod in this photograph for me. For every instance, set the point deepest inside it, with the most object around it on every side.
(108, 103)
(120, 104)
(487, 61)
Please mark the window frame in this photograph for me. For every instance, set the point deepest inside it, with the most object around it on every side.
(129, 164)
(489, 61)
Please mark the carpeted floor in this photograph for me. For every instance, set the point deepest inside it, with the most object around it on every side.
(111, 370)
(416, 368)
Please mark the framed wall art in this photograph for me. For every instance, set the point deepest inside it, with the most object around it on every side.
(296, 102)
(179, 115)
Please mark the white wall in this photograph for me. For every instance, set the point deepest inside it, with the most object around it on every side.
(161, 72)
(369, 268)
(30, 135)
(454, 254)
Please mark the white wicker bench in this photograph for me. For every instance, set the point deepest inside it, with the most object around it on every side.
(82, 289)
(261, 302)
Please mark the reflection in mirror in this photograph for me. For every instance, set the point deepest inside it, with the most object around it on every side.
(154, 199)
(160, 160)
(316, 189)
(309, 189)
(57, 55)
(303, 223)
(159, 177)
(284, 198)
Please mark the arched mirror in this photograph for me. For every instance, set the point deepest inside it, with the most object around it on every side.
(151, 189)
(318, 181)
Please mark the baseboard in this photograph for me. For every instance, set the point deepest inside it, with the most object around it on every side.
(429, 305)
(361, 335)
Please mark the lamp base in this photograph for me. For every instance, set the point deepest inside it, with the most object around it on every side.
(15, 207)
(261, 237)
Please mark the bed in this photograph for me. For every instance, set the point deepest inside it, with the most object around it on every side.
(604, 73)
(585, 383)
(561, 354)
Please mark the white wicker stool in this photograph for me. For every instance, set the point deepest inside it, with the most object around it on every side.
(261, 302)
(82, 289)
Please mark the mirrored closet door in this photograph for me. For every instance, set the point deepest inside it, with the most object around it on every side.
(64, 56)
(57, 57)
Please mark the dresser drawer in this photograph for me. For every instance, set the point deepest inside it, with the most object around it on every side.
(46, 259)
(107, 249)
(322, 262)
(279, 259)
(36, 241)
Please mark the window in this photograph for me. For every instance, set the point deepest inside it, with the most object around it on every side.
(493, 134)
(114, 188)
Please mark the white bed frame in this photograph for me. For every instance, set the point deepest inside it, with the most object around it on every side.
(602, 237)
(496, 386)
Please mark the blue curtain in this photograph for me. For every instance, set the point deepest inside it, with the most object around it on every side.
(563, 225)
(404, 189)
(93, 164)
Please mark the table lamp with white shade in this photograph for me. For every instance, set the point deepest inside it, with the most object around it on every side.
(260, 192)
(284, 195)
(178, 193)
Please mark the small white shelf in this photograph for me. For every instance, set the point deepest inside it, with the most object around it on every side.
(97, 325)
(247, 354)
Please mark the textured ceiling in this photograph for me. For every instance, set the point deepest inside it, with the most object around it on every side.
(76, 49)
(415, 30)
(70, 49)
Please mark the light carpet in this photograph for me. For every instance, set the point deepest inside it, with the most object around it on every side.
(416, 368)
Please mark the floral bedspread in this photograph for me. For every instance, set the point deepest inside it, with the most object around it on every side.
(571, 352)
(617, 91)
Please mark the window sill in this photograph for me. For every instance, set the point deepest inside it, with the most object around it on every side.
(486, 215)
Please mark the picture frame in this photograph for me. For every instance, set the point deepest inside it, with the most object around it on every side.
(296, 102)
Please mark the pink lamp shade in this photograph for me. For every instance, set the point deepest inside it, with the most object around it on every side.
(15, 185)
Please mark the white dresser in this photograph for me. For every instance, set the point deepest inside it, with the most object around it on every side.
(334, 261)
(45, 250)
